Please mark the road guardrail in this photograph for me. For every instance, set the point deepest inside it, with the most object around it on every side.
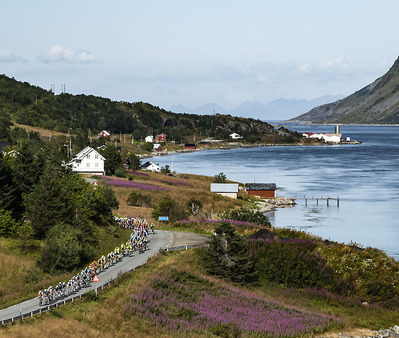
(55, 305)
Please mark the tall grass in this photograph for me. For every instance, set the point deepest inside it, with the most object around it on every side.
(20, 279)
(107, 316)
(190, 303)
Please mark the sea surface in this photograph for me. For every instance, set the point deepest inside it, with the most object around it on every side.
(365, 177)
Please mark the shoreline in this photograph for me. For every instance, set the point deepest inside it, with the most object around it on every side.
(230, 146)
(342, 124)
(265, 205)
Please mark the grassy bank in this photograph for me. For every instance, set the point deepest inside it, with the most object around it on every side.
(157, 300)
(21, 279)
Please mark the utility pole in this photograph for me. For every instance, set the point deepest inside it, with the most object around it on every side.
(70, 143)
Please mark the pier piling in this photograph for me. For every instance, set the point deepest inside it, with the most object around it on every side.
(327, 199)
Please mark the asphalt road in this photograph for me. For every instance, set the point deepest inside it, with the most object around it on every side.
(161, 239)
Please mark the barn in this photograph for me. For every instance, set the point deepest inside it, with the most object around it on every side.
(264, 190)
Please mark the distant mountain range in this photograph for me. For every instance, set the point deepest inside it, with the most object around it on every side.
(377, 103)
(280, 109)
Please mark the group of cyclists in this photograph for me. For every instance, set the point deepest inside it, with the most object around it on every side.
(138, 241)
(133, 223)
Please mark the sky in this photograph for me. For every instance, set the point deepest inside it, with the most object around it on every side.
(169, 52)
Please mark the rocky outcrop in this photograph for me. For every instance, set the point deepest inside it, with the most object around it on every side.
(363, 333)
(268, 204)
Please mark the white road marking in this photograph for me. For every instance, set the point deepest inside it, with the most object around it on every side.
(171, 240)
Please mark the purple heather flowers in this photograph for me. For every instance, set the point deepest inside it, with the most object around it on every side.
(194, 304)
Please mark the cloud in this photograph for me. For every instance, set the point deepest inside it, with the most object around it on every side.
(8, 56)
(58, 53)
(305, 67)
(337, 63)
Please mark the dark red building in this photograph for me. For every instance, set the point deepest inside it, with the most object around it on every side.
(192, 146)
(265, 190)
(161, 138)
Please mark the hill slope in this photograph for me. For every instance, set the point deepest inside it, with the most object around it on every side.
(34, 106)
(377, 103)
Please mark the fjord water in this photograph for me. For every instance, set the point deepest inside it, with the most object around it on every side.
(364, 177)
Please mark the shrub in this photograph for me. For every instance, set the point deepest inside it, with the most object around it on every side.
(220, 178)
(290, 262)
(194, 206)
(247, 215)
(8, 225)
(62, 250)
(147, 146)
(170, 208)
(136, 198)
(120, 173)
(373, 274)
(166, 170)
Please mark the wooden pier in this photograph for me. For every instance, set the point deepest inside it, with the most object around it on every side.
(317, 199)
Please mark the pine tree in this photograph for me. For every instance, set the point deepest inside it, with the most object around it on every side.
(10, 196)
(47, 205)
(28, 168)
(227, 256)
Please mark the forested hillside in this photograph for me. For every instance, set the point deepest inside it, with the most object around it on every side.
(31, 105)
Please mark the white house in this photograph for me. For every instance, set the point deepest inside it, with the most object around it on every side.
(88, 161)
(103, 133)
(149, 139)
(157, 147)
(102, 147)
(151, 166)
(225, 189)
(235, 136)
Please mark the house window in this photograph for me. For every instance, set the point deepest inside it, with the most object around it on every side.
(96, 165)
(88, 156)
(87, 165)
(96, 157)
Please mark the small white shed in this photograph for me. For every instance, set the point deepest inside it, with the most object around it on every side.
(149, 139)
(235, 136)
(225, 189)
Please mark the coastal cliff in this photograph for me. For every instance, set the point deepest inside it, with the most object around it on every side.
(377, 103)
